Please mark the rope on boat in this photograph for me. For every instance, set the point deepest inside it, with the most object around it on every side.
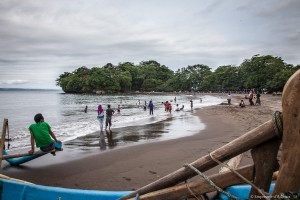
(277, 123)
(264, 194)
(8, 145)
(210, 182)
(278, 128)
(190, 190)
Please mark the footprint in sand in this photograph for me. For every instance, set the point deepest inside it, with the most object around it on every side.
(127, 179)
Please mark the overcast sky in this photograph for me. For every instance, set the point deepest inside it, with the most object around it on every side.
(39, 40)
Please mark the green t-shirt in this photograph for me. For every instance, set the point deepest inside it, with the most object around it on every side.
(41, 133)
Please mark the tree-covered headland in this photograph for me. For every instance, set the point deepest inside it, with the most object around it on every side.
(259, 72)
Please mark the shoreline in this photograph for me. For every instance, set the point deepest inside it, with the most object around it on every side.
(137, 165)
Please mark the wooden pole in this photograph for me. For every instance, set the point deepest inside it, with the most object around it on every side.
(289, 172)
(245, 142)
(24, 154)
(5, 123)
(200, 186)
(265, 162)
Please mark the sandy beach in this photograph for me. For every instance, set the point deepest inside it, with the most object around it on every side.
(137, 165)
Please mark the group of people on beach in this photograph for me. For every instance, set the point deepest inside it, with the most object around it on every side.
(45, 139)
(109, 113)
(250, 98)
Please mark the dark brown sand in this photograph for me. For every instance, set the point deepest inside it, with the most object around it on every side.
(137, 165)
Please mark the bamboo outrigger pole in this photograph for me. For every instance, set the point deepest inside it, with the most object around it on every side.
(245, 142)
(200, 186)
(24, 154)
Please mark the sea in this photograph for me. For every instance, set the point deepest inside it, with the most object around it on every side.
(67, 117)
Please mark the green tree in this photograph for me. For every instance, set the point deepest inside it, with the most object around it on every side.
(259, 70)
(125, 80)
(227, 78)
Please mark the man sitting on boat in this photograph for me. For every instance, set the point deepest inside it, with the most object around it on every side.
(42, 135)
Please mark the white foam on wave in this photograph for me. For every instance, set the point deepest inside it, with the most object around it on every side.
(72, 122)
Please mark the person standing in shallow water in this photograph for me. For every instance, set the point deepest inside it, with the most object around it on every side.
(229, 99)
(150, 106)
(100, 116)
(109, 114)
(119, 109)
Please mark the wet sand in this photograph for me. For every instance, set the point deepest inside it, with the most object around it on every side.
(134, 166)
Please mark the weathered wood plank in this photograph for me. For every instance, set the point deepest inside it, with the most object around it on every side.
(265, 162)
(24, 154)
(200, 186)
(289, 172)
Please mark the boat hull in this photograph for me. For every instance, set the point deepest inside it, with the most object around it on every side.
(12, 190)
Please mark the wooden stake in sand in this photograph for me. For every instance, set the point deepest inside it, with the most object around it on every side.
(5, 123)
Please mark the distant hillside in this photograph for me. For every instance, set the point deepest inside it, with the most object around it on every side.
(27, 89)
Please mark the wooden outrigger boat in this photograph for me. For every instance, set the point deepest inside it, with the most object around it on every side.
(263, 141)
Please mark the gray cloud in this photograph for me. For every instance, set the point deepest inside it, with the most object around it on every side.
(42, 39)
(13, 82)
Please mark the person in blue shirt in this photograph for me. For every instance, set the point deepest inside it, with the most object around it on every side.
(150, 106)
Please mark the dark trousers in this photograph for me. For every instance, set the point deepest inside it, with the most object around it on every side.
(48, 148)
(151, 111)
(251, 102)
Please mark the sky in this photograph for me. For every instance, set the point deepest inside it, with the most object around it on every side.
(39, 40)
